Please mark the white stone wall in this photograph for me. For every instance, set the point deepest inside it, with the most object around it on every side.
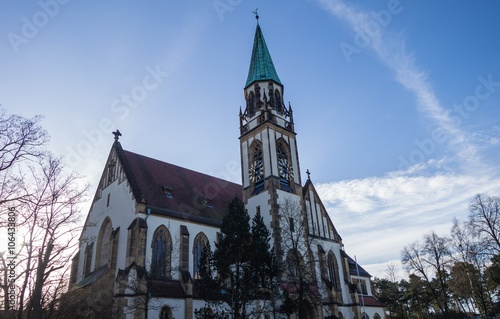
(174, 227)
(121, 212)
(176, 305)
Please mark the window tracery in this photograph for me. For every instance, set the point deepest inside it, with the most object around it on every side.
(292, 263)
(166, 313)
(333, 271)
(88, 259)
(161, 253)
(104, 243)
(200, 242)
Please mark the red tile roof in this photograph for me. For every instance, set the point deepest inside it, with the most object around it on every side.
(370, 301)
(354, 267)
(195, 196)
(167, 288)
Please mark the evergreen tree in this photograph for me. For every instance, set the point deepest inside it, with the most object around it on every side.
(261, 258)
(238, 271)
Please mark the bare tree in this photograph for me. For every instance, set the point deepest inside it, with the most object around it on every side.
(431, 261)
(49, 213)
(143, 284)
(392, 272)
(143, 289)
(469, 270)
(484, 218)
(298, 265)
(20, 139)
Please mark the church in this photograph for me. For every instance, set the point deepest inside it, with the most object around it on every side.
(151, 217)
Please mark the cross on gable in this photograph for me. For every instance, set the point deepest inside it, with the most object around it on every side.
(117, 134)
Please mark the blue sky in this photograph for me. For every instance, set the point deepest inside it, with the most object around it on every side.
(396, 103)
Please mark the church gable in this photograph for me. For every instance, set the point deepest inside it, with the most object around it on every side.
(113, 171)
(319, 223)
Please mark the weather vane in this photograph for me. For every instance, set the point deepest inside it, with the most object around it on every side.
(256, 13)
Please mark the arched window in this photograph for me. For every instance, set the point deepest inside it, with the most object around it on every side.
(88, 259)
(200, 242)
(284, 166)
(251, 104)
(376, 316)
(292, 263)
(277, 101)
(365, 316)
(333, 271)
(104, 243)
(166, 313)
(256, 168)
(161, 253)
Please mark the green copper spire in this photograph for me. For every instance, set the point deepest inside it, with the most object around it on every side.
(261, 65)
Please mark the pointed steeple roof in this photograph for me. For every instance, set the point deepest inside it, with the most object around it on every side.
(261, 65)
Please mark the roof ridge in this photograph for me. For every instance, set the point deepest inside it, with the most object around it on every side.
(179, 167)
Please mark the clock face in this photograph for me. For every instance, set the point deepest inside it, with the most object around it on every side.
(256, 171)
(285, 169)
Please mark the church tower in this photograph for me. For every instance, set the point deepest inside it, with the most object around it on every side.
(269, 157)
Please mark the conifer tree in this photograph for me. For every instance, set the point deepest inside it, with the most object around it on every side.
(238, 271)
(261, 259)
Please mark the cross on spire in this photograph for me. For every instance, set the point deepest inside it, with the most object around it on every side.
(308, 174)
(256, 14)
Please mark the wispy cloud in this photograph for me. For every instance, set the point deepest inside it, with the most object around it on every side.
(397, 208)
(391, 51)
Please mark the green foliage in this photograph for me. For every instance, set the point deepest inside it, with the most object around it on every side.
(241, 267)
(450, 275)
(261, 260)
(391, 295)
(289, 306)
(205, 313)
(234, 243)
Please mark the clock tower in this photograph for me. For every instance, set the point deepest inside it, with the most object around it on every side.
(269, 157)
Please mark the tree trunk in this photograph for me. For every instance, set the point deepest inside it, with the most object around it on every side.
(35, 303)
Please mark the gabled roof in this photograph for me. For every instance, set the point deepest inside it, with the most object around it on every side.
(191, 195)
(261, 65)
(308, 186)
(354, 267)
(370, 301)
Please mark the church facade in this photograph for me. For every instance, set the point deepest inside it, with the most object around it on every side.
(141, 245)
